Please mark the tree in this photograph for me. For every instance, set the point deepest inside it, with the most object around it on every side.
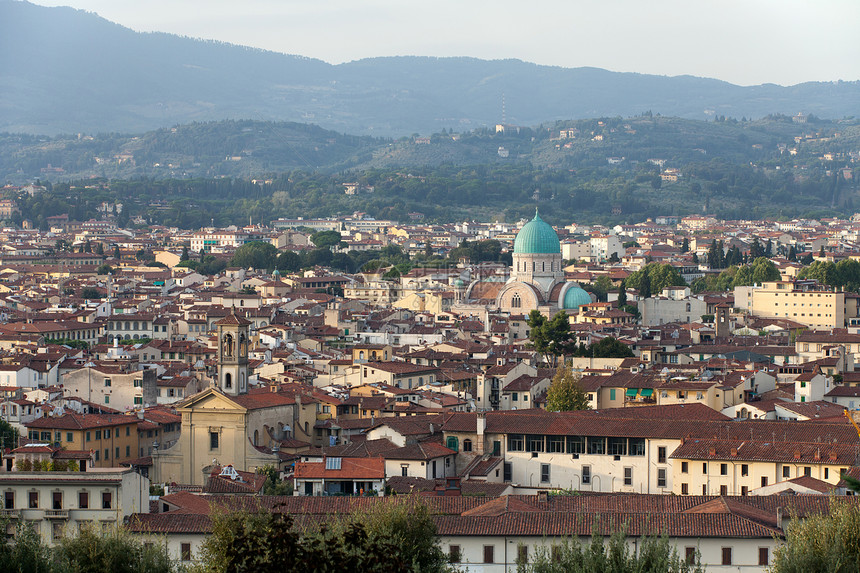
(8, 435)
(622, 295)
(116, 254)
(828, 542)
(90, 293)
(104, 270)
(256, 254)
(326, 239)
(792, 253)
(393, 535)
(185, 255)
(685, 245)
(652, 554)
(116, 551)
(274, 484)
(565, 392)
(610, 347)
(549, 338)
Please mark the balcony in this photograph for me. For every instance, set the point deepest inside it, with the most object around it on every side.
(10, 513)
(57, 513)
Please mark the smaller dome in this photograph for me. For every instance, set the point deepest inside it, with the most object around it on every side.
(574, 297)
(459, 282)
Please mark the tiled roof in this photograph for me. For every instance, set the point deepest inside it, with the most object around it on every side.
(350, 469)
(81, 421)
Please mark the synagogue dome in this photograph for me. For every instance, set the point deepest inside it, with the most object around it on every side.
(537, 237)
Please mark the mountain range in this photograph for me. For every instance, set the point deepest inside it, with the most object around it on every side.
(70, 71)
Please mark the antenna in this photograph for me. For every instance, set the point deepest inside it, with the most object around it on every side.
(504, 115)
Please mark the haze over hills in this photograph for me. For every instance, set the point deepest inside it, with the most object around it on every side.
(73, 71)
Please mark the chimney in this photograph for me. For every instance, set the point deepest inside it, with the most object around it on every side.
(543, 496)
(481, 424)
(797, 454)
(832, 456)
(712, 451)
(734, 452)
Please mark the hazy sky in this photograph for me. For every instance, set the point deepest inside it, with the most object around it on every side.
(741, 41)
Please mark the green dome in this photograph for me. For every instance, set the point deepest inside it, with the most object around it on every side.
(574, 297)
(537, 238)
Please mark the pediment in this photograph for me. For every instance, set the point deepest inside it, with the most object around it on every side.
(211, 399)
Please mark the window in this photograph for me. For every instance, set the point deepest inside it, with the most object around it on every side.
(744, 490)
(57, 530)
(786, 471)
(83, 500)
(763, 556)
(9, 500)
(807, 471)
(628, 476)
(727, 556)
(534, 443)
(690, 555)
(107, 454)
(555, 444)
(404, 470)
(116, 453)
(612, 393)
(98, 434)
(586, 475)
(596, 445)
(516, 443)
(685, 489)
(186, 551)
(213, 440)
(724, 490)
(745, 470)
(724, 469)
(467, 445)
(763, 481)
(661, 477)
(489, 554)
(544, 473)
(70, 437)
(522, 553)
(57, 499)
(106, 500)
(575, 445)
(454, 554)
(705, 467)
(685, 467)
(661, 455)
(617, 446)
(107, 382)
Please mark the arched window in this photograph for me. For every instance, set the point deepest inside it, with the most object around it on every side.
(361, 354)
(242, 382)
(256, 437)
(516, 302)
(688, 307)
(228, 380)
(543, 266)
(467, 445)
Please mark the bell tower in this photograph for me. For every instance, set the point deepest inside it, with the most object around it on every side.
(233, 341)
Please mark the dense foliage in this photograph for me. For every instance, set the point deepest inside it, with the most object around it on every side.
(550, 338)
(651, 555)
(733, 170)
(821, 543)
(391, 537)
(653, 279)
(565, 392)
(91, 551)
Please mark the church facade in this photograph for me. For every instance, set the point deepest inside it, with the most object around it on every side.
(225, 424)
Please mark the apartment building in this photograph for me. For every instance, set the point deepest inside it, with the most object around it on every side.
(803, 301)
